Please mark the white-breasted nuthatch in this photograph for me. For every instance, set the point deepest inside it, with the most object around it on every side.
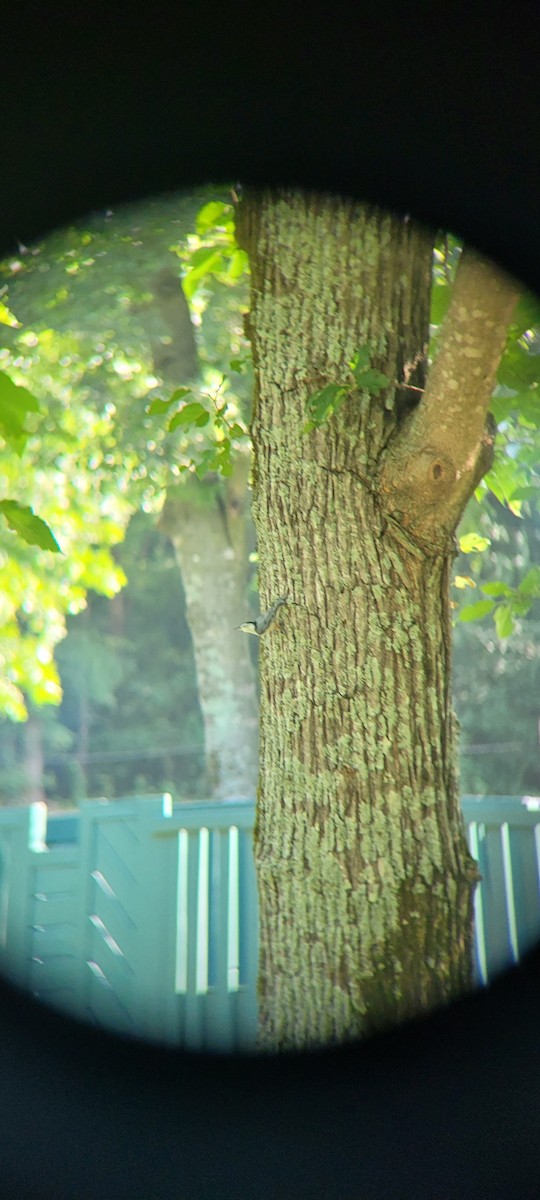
(262, 623)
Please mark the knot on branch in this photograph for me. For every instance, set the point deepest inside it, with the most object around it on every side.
(441, 473)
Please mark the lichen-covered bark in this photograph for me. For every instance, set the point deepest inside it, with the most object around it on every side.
(206, 522)
(365, 880)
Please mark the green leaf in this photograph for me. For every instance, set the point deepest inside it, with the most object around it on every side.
(212, 213)
(160, 406)
(361, 359)
(180, 394)
(530, 584)
(526, 493)
(518, 369)
(521, 605)
(15, 404)
(207, 462)
(323, 403)
(199, 259)
(236, 431)
(7, 318)
(30, 528)
(203, 262)
(505, 476)
(525, 404)
(526, 313)
(504, 621)
(366, 377)
(239, 263)
(371, 381)
(238, 364)
(473, 541)
(440, 300)
(473, 612)
(191, 414)
(496, 588)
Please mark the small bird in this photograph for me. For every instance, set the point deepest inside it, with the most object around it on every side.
(264, 620)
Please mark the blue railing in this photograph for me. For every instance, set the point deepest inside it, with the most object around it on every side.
(141, 915)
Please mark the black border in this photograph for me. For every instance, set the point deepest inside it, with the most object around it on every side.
(434, 111)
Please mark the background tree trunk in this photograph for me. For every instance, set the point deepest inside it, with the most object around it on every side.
(365, 880)
(33, 759)
(206, 522)
(208, 525)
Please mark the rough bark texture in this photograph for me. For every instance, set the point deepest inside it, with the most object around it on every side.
(208, 526)
(365, 880)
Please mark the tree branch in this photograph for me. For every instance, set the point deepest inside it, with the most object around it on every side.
(442, 450)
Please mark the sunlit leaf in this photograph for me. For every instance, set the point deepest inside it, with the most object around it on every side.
(473, 612)
(30, 528)
(210, 214)
(239, 263)
(203, 262)
(440, 300)
(15, 404)
(7, 317)
(471, 542)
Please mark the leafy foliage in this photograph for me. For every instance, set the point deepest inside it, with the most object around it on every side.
(129, 719)
(129, 684)
(212, 260)
(15, 404)
(77, 372)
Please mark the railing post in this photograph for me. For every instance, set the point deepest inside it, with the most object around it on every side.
(22, 834)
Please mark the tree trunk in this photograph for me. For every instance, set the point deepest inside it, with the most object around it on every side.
(207, 526)
(33, 761)
(365, 880)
